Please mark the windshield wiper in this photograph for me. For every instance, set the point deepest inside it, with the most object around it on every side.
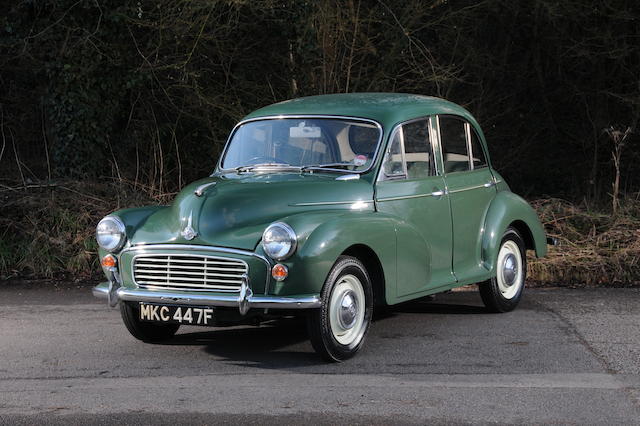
(327, 166)
(243, 169)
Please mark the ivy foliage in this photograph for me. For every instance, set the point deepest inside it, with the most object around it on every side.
(147, 91)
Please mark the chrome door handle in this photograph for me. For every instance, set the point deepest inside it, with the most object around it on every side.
(489, 184)
(437, 194)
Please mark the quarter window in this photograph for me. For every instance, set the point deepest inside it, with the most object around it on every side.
(477, 155)
(393, 163)
(453, 137)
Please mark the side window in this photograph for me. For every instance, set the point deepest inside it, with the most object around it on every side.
(417, 149)
(393, 165)
(454, 144)
(477, 155)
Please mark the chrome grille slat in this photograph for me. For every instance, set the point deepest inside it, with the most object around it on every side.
(188, 272)
(173, 278)
(173, 267)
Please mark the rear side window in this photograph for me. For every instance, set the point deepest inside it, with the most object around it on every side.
(453, 137)
(477, 155)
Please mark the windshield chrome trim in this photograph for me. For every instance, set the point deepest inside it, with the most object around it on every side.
(219, 168)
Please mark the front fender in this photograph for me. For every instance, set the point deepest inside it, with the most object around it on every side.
(323, 236)
(505, 209)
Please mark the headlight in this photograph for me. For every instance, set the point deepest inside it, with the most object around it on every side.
(279, 241)
(110, 233)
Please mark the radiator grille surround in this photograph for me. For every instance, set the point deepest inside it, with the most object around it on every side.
(189, 272)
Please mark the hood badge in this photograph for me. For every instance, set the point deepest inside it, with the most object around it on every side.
(188, 232)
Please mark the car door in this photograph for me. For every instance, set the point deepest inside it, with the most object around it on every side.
(471, 188)
(410, 188)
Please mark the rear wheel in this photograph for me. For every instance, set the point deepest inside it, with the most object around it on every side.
(503, 292)
(338, 328)
(145, 331)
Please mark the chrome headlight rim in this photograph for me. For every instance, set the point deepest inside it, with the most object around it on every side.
(293, 238)
(121, 229)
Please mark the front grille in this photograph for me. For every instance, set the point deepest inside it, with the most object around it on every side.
(188, 272)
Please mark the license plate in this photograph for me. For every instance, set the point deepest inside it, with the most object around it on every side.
(176, 314)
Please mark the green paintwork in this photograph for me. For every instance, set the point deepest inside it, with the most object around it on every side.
(424, 244)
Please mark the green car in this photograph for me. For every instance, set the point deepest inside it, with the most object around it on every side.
(328, 207)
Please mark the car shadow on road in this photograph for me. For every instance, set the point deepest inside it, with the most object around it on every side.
(284, 343)
(277, 344)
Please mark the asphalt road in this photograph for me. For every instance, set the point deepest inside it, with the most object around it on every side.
(564, 356)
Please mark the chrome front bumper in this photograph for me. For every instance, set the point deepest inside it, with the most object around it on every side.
(243, 301)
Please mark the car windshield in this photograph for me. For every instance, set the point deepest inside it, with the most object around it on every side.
(305, 143)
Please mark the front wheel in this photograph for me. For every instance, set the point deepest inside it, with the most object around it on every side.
(503, 292)
(145, 331)
(338, 328)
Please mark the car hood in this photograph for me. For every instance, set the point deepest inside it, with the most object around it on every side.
(235, 209)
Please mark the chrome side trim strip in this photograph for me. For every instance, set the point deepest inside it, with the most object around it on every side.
(407, 197)
(252, 301)
(348, 177)
(330, 203)
(469, 188)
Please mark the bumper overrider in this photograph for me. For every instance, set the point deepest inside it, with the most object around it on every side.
(245, 299)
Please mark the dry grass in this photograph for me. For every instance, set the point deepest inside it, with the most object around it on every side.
(596, 249)
(48, 232)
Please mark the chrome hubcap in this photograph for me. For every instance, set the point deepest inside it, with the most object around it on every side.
(348, 310)
(510, 269)
(510, 273)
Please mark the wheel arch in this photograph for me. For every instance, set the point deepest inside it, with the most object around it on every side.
(525, 233)
(371, 262)
(508, 209)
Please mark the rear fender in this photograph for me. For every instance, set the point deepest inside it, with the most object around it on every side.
(508, 209)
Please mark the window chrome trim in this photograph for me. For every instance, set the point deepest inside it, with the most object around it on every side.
(142, 247)
(382, 176)
(219, 168)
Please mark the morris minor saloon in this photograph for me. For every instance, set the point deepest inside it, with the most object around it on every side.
(329, 207)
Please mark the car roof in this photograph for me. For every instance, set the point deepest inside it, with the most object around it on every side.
(386, 108)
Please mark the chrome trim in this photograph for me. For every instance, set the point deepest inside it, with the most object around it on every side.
(231, 288)
(200, 190)
(292, 234)
(348, 177)
(123, 231)
(219, 168)
(407, 197)
(468, 188)
(100, 291)
(204, 248)
(188, 233)
(438, 193)
(394, 130)
(329, 203)
(253, 301)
